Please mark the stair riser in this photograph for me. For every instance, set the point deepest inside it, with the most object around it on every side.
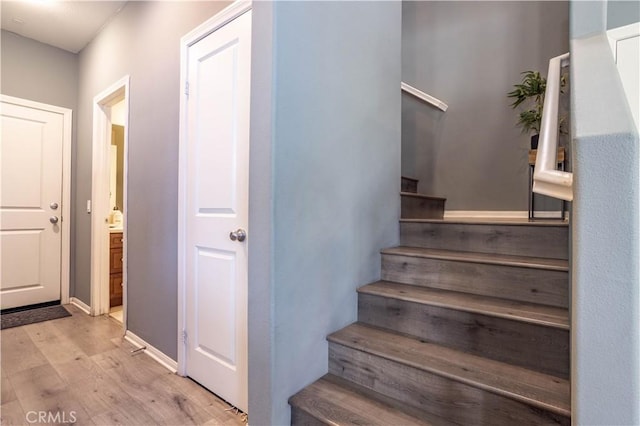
(302, 418)
(409, 185)
(521, 240)
(457, 402)
(421, 208)
(508, 282)
(532, 346)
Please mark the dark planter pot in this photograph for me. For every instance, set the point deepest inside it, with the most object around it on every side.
(534, 141)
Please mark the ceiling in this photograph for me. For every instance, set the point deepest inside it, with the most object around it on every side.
(69, 25)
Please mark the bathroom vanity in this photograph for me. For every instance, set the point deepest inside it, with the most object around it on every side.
(115, 267)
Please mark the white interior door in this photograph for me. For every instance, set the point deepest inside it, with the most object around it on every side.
(216, 204)
(30, 205)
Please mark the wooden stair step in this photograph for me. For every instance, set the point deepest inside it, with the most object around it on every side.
(332, 400)
(409, 184)
(484, 258)
(420, 206)
(440, 380)
(421, 196)
(515, 221)
(531, 313)
(547, 239)
(533, 280)
(524, 334)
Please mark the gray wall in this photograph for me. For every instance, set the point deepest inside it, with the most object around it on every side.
(142, 42)
(469, 54)
(42, 73)
(605, 269)
(261, 285)
(588, 18)
(335, 156)
(622, 12)
(38, 72)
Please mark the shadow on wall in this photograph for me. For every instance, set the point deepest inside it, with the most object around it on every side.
(422, 125)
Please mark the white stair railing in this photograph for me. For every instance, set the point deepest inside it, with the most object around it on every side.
(423, 96)
(547, 180)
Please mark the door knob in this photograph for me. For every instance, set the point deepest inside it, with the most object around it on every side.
(53, 206)
(53, 219)
(239, 235)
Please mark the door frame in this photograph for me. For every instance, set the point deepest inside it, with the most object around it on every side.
(220, 19)
(65, 211)
(100, 174)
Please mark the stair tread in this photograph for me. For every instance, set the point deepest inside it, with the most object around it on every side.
(536, 389)
(473, 257)
(409, 178)
(417, 195)
(503, 308)
(492, 221)
(334, 401)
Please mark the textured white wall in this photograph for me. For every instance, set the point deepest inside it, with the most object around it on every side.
(605, 243)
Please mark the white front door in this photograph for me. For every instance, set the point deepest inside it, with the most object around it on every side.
(216, 204)
(30, 205)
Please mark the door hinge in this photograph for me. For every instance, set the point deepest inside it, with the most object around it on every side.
(186, 88)
(184, 336)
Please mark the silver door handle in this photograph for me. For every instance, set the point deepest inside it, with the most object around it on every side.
(53, 219)
(53, 206)
(239, 235)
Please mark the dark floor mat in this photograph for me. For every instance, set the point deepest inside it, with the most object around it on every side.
(16, 319)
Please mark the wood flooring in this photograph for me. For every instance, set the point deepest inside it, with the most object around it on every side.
(80, 368)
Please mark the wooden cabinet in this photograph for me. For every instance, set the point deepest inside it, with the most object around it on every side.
(115, 269)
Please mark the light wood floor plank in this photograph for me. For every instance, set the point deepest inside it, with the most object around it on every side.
(37, 382)
(128, 413)
(19, 352)
(78, 369)
(99, 395)
(82, 364)
(60, 407)
(7, 391)
(11, 414)
(54, 345)
(217, 409)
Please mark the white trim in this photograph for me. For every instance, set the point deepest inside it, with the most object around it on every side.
(100, 197)
(622, 33)
(220, 19)
(499, 214)
(615, 36)
(152, 351)
(223, 17)
(80, 305)
(423, 96)
(65, 211)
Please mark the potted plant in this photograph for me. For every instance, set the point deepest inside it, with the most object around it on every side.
(531, 92)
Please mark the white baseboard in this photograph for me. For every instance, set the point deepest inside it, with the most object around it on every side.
(80, 305)
(499, 214)
(153, 352)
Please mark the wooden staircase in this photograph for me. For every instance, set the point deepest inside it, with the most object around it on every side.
(419, 206)
(468, 326)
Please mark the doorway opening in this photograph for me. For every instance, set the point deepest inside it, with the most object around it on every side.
(109, 202)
